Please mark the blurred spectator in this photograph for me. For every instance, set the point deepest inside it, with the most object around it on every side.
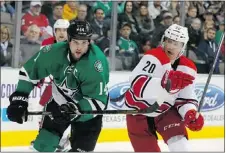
(155, 8)
(194, 32)
(128, 50)
(199, 6)
(104, 44)
(192, 13)
(56, 14)
(70, 10)
(145, 22)
(208, 16)
(219, 33)
(220, 16)
(206, 26)
(82, 12)
(6, 46)
(7, 7)
(215, 7)
(174, 8)
(48, 6)
(106, 6)
(128, 16)
(158, 33)
(99, 25)
(30, 45)
(145, 45)
(176, 20)
(210, 47)
(137, 5)
(33, 16)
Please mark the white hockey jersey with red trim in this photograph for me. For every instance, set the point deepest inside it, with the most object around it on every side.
(146, 86)
(48, 41)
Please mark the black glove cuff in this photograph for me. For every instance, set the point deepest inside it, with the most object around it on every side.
(19, 97)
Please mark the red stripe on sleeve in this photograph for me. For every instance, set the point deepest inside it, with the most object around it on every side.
(139, 84)
(133, 103)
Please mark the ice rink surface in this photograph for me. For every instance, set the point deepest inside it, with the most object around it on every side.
(202, 145)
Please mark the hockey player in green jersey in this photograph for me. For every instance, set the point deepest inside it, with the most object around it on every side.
(80, 76)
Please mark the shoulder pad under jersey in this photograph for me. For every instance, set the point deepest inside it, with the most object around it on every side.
(187, 66)
(159, 54)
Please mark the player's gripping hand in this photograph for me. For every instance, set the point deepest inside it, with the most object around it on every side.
(17, 110)
(70, 110)
(173, 80)
(194, 120)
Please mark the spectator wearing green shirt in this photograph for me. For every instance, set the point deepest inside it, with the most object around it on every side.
(128, 50)
(219, 33)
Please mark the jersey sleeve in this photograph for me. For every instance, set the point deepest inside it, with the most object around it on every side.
(146, 79)
(35, 69)
(187, 99)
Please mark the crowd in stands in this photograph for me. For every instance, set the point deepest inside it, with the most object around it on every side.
(141, 25)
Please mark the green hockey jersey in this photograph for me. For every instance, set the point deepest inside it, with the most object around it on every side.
(83, 82)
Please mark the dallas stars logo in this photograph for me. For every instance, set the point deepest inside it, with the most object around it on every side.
(98, 66)
(68, 91)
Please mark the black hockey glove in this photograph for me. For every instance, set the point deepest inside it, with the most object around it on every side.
(70, 107)
(61, 114)
(17, 110)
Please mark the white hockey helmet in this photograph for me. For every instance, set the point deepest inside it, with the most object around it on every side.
(177, 33)
(60, 23)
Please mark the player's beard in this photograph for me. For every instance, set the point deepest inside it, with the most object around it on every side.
(77, 55)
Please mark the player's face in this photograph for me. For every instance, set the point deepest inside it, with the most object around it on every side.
(78, 48)
(172, 48)
(61, 34)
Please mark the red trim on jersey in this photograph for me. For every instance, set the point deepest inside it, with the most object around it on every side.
(47, 94)
(160, 54)
(164, 107)
(132, 102)
(139, 84)
(48, 41)
(187, 62)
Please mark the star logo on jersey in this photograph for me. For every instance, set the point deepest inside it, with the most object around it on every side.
(98, 66)
(47, 48)
(68, 91)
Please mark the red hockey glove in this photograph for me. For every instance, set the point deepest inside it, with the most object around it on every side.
(194, 120)
(173, 80)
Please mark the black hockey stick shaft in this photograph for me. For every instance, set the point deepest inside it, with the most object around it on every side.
(151, 109)
(210, 74)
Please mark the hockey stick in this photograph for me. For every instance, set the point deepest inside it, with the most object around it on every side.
(151, 109)
(210, 74)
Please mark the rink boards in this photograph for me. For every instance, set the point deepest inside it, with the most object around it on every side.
(114, 126)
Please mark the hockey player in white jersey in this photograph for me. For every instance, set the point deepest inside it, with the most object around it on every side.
(178, 104)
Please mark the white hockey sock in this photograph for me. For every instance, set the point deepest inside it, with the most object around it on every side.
(178, 143)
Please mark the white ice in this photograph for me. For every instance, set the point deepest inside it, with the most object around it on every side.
(203, 145)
